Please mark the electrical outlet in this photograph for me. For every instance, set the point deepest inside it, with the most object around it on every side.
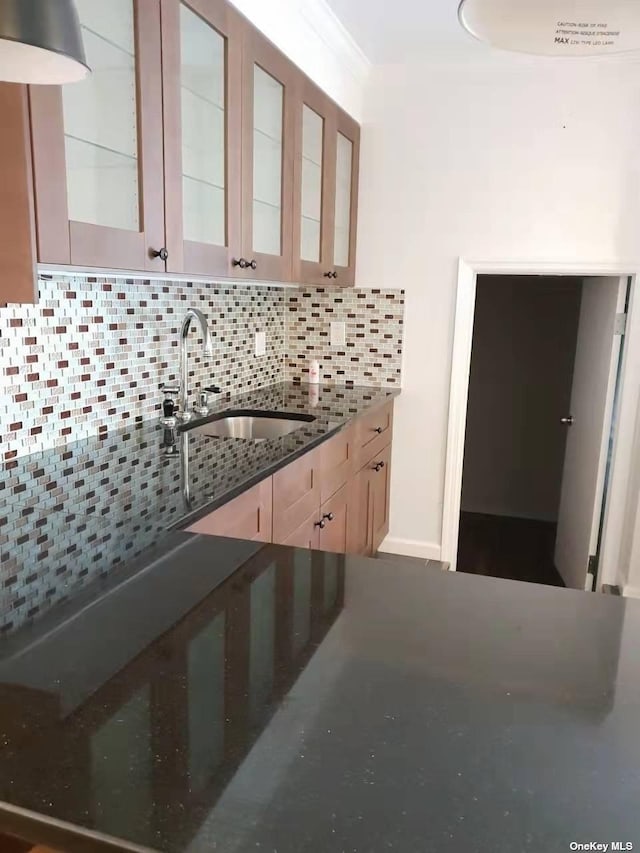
(261, 343)
(338, 334)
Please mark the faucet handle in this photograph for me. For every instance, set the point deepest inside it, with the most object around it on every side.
(169, 389)
(213, 389)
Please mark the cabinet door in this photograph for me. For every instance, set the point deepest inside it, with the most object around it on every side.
(336, 516)
(296, 496)
(380, 476)
(336, 464)
(246, 517)
(202, 88)
(344, 165)
(307, 535)
(17, 238)
(98, 145)
(360, 538)
(312, 211)
(269, 81)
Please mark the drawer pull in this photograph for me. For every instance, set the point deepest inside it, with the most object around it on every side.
(321, 524)
(329, 516)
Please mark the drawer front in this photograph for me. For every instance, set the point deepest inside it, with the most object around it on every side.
(248, 516)
(374, 431)
(296, 495)
(307, 535)
(337, 462)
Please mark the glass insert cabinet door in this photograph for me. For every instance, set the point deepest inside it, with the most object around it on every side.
(98, 145)
(312, 190)
(347, 144)
(325, 190)
(202, 43)
(267, 168)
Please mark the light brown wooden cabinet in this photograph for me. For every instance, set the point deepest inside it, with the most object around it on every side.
(17, 234)
(323, 500)
(98, 148)
(371, 516)
(181, 153)
(296, 495)
(335, 520)
(202, 45)
(249, 516)
(325, 202)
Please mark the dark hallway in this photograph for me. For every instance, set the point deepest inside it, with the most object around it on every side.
(503, 547)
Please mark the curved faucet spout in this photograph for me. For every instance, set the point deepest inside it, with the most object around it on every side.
(192, 314)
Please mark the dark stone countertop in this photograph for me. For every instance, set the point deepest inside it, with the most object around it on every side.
(71, 514)
(237, 697)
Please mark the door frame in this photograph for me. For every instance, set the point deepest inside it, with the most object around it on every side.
(619, 500)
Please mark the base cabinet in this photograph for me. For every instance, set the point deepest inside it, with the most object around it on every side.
(330, 499)
(246, 517)
(371, 515)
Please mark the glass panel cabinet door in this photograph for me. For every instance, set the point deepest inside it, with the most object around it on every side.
(347, 142)
(202, 92)
(267, 174)
(313, 216)
(98, 145)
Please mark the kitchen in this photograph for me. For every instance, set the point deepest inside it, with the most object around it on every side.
(119, 432)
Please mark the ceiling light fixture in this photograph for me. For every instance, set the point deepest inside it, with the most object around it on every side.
(40, 42)
(554, 27)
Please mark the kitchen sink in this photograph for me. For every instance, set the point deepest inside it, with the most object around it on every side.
(251, 425)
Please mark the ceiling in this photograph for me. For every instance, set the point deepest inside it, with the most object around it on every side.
(390, 31)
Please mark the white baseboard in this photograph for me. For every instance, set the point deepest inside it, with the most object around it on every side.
(631, 592)
(411, 548)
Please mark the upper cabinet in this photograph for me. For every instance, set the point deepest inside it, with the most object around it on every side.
(345, 141)
(269, 82)
(98, 146)
(194, 147)
(202, 85)
(325, 190)
(17, 237)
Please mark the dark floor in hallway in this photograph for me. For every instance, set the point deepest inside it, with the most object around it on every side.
(502, 547)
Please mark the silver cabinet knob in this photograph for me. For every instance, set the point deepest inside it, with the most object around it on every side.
(568, 421)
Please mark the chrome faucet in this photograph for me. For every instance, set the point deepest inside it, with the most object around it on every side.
(192, 314)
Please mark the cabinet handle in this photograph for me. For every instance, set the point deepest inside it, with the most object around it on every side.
(329, 516)
(335, 274)
(378, 466)
(321, 524)
(331, 274)
(159, 253)
(378, 430)
(240, 262)
(252, 264)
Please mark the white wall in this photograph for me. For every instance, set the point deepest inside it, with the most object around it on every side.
(516, 160)
(524, 346)
(312, 37)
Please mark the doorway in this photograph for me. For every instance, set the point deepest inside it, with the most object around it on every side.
(531, 426)
(522, 358)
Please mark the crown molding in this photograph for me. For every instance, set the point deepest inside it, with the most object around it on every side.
(324, 22)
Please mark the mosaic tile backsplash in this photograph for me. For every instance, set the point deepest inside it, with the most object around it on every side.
(372, 354)
(90, 355)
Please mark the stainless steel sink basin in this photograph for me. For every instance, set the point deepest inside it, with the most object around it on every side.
(252, 426)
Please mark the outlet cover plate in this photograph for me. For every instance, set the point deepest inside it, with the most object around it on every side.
(338, 334)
